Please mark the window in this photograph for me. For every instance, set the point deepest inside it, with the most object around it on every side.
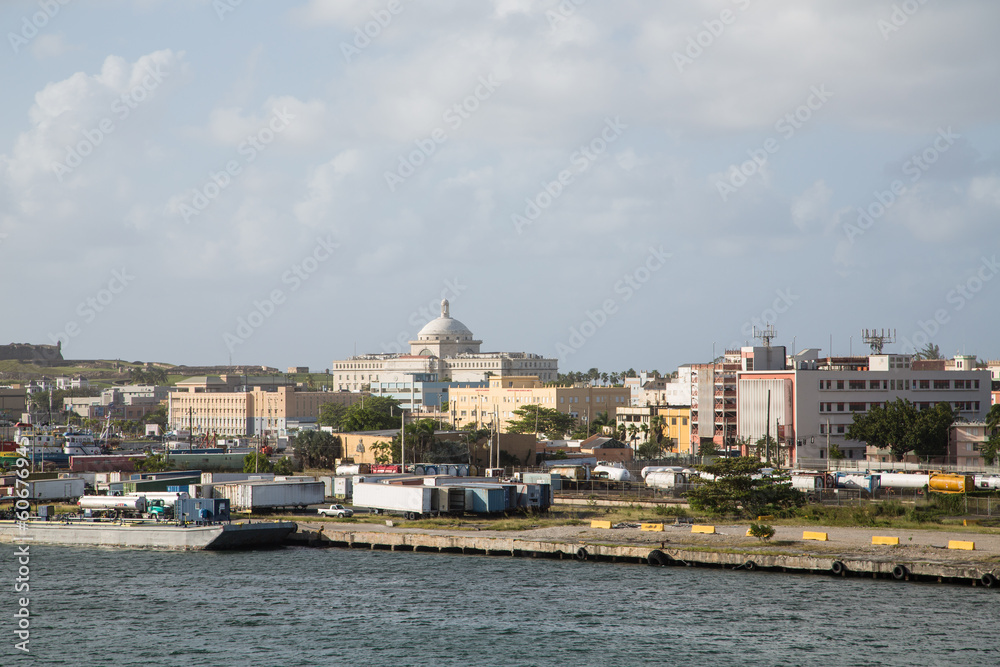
(856, 384)
(856, 407)
(840, 384)
(673, 421)
(873, 384)
(922, 384)
(840, 407)
(942, 384)
(684, 421)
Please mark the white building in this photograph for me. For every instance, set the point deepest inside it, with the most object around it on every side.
(812, 405)
(444, 350)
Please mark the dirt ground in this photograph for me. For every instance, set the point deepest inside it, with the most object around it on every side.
(914, 545)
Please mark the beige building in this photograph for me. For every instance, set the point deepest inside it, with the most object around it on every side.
(476, 406)
(207, 404)
(444, 350)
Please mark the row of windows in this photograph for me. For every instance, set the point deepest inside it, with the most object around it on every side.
(897, 385)
(961, 406)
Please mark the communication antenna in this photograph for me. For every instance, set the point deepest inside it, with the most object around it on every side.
(877, 338)
(766, 334)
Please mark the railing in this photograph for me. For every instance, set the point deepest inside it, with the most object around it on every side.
(857, 465)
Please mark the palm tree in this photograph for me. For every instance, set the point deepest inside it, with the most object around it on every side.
(993, 418)
(633, 430)
(657, 423)
(930, 351)
(644, 428)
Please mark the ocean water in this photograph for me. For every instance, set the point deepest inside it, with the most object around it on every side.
(301, 606)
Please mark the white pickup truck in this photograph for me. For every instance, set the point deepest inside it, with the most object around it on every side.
(335, 510)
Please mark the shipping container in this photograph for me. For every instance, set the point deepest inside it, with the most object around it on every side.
(223, 477)
(809, 482)
(353, 469)
(987, 481)
(244, 496)
(578, 473)
(951, 483)
(896, 480)
(104, 463)
(157, 485)
(862, 481)
(343, 487)
(412, 501)
(56, 489)
(665, 479)
(485, 499)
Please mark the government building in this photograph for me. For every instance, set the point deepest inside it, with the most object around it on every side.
(445, 353)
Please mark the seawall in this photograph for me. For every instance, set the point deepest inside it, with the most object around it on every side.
(980, 573)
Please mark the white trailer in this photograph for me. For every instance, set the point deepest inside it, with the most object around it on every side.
(56, 489)
(223, 477)
(809, 482)
(244, 496)
(412, 501)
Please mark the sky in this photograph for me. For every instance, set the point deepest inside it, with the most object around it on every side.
(617, 185)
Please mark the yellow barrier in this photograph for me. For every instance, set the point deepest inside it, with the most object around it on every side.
(766, 517)
(652, 527)
(821, 537)
(970, 522)
(600, 524)
(748, 533)
(886, 541)
(959, 544)
(707, 530)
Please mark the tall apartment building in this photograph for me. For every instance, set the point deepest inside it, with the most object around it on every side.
(713, 400)
(812, 403)
(477, 405)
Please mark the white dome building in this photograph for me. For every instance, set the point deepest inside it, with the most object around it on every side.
(444, 337)
(445, 352)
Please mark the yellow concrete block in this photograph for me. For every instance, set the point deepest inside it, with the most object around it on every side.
(886, 541)
(652, 527)
(600, 524)
(748, 533)
(766, 517)
(821, 537)
(959, 544)
(970, 522)
(707, 530)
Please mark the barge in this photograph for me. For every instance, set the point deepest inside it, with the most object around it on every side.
(148, 534)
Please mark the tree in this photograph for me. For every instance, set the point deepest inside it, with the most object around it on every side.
(157, 416)
(376, 415)
(257, 462)
(735, 491)
(929, 351)
(890, 427)
(657, 424)
(835, 452)
(331, 414)
(382, 451)
(707, 447)
(650, 450)
(644, 429)
(765, 445)
(930, 430)
(537, 419)
(990, 448)
(317, 449)
(633, 433)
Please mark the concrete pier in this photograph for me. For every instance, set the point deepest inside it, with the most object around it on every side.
(973, 573)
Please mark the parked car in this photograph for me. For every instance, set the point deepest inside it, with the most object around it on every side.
(335, 510)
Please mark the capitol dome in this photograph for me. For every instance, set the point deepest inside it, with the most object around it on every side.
(444, 328)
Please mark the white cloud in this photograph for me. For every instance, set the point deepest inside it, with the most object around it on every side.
(49, 45)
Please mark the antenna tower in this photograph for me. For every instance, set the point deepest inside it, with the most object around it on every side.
(877, 338)
(766, 334)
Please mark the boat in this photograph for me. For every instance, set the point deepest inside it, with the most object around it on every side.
(53, 446)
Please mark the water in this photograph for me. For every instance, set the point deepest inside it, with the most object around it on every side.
(300, 606)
